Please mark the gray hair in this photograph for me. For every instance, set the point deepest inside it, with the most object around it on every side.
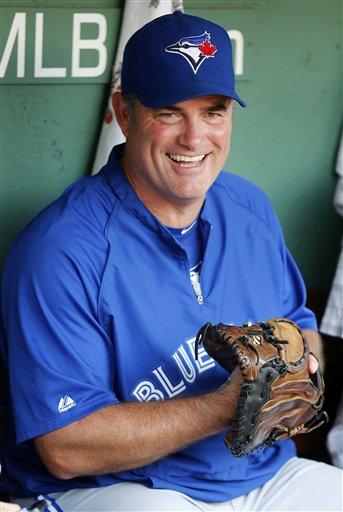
(130, 99)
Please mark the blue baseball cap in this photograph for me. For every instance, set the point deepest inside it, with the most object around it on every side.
(177, 57)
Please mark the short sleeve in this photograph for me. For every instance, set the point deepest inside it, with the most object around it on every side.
(286, 276)
(59, 356)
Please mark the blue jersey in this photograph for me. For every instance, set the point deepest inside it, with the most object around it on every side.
(99, 308)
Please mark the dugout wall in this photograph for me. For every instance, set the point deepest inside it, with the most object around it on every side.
(289, 73)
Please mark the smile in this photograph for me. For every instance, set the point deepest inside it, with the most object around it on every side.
(185, 158)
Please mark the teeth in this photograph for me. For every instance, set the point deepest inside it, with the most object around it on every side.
(183, 158)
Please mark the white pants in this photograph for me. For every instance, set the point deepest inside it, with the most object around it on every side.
(334, 441)
(300, 485)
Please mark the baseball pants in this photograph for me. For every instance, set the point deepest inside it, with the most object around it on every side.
(300, 485)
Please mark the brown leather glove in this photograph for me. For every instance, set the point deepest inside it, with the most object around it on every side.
(278, 398)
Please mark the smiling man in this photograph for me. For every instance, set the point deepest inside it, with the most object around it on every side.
(105, 290)
(174, 154)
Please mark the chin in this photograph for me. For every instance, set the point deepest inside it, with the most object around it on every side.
(191, 197)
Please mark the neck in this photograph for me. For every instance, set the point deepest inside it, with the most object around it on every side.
(172, 212)
(175, 217)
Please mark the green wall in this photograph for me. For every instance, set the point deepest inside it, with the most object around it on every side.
(285, 141)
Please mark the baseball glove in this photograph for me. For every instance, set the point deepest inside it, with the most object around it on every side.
(278, 398)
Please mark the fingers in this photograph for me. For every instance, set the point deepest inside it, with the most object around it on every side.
(313, 364)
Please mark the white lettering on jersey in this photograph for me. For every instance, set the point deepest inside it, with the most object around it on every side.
(168, 386)
(204, 361)
(187, 371)
(145, 391)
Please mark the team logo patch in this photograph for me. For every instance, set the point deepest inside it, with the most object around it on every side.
(195, 49)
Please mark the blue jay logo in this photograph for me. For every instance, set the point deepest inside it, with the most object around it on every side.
(195, 49)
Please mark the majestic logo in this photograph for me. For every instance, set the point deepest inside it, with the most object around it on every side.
(66, 403)
(195, 49)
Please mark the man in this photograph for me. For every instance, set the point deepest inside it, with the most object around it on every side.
(111, 409)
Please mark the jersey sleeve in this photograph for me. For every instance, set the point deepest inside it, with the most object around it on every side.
(294, 292)
(59, 356)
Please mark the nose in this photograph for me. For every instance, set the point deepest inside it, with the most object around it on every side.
(191, 133)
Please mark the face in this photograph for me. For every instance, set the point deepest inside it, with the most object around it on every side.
(174, 154)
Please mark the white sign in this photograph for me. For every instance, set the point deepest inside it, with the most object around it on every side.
(18, 34)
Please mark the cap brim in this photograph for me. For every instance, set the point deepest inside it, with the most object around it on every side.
(169, 94)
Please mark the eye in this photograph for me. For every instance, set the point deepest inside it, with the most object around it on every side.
(214, 114)
(168, 117)
(214, 117)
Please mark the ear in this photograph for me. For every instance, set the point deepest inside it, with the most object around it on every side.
(121, 112)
